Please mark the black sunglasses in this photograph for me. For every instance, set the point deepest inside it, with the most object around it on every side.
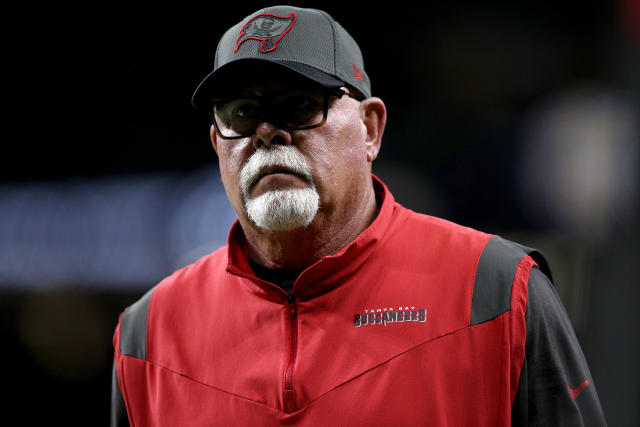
(239, 117)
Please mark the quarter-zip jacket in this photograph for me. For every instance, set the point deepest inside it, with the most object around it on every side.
(418, 321)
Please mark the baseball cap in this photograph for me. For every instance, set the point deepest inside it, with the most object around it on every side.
(308, 42)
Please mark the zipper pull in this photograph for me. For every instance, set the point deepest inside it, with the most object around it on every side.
(292, 305)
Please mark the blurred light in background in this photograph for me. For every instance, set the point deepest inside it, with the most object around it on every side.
(579, 162)
(120, 232)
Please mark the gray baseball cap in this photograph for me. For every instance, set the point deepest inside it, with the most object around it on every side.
(308, 42)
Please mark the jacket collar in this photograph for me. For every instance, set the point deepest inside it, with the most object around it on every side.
(329, 271)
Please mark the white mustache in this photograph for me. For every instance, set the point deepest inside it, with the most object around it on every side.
(287, 157)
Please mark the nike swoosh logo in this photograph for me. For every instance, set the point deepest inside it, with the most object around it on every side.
(575, 392)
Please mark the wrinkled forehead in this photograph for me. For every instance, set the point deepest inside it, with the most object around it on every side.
(265, 79)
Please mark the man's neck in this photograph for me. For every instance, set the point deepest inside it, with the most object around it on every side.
(327, 234)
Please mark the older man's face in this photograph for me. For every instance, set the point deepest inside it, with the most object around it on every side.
(295, 177)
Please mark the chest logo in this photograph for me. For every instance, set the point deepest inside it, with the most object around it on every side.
(382, 316)
(268, 28)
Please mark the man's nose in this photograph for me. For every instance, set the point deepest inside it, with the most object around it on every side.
(269, 134)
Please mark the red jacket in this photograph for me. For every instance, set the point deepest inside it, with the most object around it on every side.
(417, 321)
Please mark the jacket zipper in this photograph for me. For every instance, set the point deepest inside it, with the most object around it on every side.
(289, 393)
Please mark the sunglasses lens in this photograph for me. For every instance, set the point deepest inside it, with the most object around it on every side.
(237, 117)
(240, 117)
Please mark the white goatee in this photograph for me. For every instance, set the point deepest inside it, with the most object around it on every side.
(282, 209)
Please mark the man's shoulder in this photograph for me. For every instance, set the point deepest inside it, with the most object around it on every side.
(419, 224)
(427, 241)
(424, 231)
(191, 275)
(186, 287)
(498, 249)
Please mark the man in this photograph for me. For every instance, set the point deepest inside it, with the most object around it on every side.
(332, 304)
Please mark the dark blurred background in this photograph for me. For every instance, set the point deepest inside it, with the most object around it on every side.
(516, 118)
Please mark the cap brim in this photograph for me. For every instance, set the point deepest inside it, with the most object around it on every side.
(217, 81)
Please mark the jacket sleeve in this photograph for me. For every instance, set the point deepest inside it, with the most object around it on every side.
(119, 416)
(556, 387)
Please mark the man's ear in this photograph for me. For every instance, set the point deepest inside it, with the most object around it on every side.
(374, 117)
(214, 138)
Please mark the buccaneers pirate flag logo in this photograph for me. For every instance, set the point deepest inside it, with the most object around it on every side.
(266, 27)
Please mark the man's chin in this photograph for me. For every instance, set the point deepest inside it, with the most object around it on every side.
(283, 210)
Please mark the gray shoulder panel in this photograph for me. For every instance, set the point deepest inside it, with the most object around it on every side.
(133, 328)
(494, 278)
(538, 257)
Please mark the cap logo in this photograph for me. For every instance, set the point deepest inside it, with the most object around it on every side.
(268, 28)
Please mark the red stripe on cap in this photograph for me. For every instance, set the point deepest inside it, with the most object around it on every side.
(357, 72)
